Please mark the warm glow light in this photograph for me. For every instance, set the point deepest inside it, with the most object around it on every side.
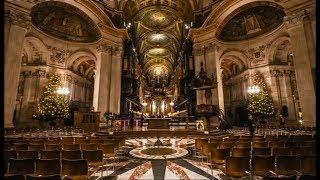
(171, 103)
(157, 37)
(156, 51)
(158, 70)
(63, 90)
(144, 104)
(253, 89)
(158, 16)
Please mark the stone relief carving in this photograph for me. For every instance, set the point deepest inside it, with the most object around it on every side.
(256, 55)
(18, 18)
(58, 55)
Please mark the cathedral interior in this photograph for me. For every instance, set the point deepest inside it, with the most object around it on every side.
(159, 89)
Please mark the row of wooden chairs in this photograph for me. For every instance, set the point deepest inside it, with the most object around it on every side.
(219, 155)
(47, 167)
(38, 147)
(69, 140)
(265, 166)
(31, 177)
(94, 157)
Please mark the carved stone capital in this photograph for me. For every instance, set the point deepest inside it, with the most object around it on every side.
(104, 48)
(276, 73)
(117, 51)
(296, 18)
(18, 18)
(26, 74)
(39, 73)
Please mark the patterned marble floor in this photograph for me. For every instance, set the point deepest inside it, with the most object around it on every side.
(186, 167)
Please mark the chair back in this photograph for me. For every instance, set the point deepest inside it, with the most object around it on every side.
(47, 167)
(241, 152)
(73, 154)
(53, 146)
(237, 166)
(50, 154)
(77, 167)
(264, 151)
(26, 154)
(262, 165)
(21, 166)
(71, 146)
(92, 156)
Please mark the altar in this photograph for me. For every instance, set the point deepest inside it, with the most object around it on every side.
(158, 123)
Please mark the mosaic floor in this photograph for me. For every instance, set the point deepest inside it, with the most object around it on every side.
(188, 165)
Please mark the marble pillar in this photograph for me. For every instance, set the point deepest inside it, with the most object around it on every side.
(14, 38)
(101, 97)
(115, 88)
(303, 59)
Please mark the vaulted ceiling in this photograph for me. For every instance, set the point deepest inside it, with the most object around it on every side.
(158, 33)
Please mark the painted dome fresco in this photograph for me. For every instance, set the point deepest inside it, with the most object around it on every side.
(251, 23)
(64, 21)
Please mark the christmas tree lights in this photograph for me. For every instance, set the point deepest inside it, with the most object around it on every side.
(52, 106)
(260, 102)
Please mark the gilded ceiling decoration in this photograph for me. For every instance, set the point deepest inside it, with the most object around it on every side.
(251, 23)
(64, 21)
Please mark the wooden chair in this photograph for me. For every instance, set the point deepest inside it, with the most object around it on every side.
(73, 154)
(287, 165)
(243, 145)
(8, 154)
(307, 177)
(280, 178)
(241, 152)
(80, 140)
(263, 165)
(20, 146)
(265, 151)
(302, 151)
(107, 149)
(52, 177)
(259, 144)
(219, 156)
(96, 141)
(89, 146)
(281, 151)
(21, 166)
(291, 144)
(308, 165)
(35, 147)
(9, 146)
(53, 147)
(276, 144)
(75, 168)
(71, 147)
(46, 167)
(28, 154)
(225, 145)
(67, 140)
(14, 177)
(93, 157)
(237, 166)
(50, 154)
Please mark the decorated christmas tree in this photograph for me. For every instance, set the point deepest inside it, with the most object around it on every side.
(260, 102)
(52, 106)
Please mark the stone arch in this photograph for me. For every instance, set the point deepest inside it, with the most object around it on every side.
(95, 13)
(77, 60)
(236, 56)
(34, 45)
(78, 54)
(274, 45)
(222, 13)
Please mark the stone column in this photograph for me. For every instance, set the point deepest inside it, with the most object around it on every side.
(101, 96)
(214, 67)
(303, 59)
(115, 88)
(287, 96)
(15, 30)
(27, 89)
(198, 58)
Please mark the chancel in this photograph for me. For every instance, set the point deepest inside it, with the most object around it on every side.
(159, 89)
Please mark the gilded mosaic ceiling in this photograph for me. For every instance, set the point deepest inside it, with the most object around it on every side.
(64, 21)
(251, 23)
